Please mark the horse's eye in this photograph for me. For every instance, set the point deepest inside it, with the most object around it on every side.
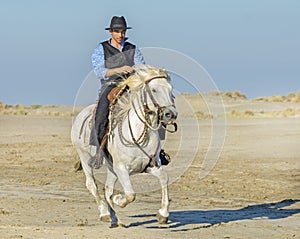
(154, 90)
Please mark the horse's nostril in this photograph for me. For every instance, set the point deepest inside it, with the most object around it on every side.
(168, 115)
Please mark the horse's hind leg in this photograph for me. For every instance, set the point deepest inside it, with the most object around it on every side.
(93, 188)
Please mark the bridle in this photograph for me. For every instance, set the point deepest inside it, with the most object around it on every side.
(147, 111)
(145, 118)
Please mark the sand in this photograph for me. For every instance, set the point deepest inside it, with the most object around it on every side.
(252, 192)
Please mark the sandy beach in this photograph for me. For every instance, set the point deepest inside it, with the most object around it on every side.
(253, 191)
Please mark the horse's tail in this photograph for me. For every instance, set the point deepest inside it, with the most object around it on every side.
(81, 132)
(77, 166)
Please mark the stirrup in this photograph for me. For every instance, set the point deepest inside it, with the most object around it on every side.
(164, 157)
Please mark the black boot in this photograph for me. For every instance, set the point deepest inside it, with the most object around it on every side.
(97, 160)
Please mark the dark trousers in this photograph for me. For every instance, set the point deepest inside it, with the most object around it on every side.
(101, 120)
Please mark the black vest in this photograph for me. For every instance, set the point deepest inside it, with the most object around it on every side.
(114, 58)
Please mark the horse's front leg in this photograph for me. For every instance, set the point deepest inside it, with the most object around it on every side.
(163, 212)
(124, 178)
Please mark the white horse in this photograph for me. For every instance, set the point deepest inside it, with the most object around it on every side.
(133, 140)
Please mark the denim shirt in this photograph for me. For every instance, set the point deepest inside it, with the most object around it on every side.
(98, 61)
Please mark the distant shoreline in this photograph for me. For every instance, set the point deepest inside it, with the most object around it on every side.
(291, 97)
(236, 105)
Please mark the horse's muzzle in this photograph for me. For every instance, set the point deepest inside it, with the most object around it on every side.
(169, 114)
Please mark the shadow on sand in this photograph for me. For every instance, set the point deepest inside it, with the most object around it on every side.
(207, 218)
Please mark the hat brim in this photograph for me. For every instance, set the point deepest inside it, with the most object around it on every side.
(108, 28)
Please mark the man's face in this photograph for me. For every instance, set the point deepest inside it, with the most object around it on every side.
(118, 35)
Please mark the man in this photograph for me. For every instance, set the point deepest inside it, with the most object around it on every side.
(112, 61)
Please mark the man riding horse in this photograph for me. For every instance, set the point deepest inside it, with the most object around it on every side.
(112, 62)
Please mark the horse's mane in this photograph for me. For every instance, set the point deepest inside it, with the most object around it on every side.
(141, 74)
(135, 82)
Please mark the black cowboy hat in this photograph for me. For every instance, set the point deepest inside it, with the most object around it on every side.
(118, 23)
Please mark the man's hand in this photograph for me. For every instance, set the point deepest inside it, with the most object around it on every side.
(126, 69)
(119, 70)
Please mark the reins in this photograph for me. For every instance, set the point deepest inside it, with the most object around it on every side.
(152, 161)
(145, 119)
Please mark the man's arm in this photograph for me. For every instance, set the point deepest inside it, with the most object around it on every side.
(119, 70)
(138, 57)
(98, 62)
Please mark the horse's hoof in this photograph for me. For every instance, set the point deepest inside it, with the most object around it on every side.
(105, 218)
(115, 225)
(161, 219)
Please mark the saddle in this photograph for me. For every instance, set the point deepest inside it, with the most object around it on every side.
(116, 92)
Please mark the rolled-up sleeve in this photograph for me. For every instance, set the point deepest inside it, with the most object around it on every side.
(98, 62)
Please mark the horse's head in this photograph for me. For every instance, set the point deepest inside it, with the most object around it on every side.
(159, 97)
(155, 91)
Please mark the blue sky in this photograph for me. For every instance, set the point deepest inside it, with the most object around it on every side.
(252, 46)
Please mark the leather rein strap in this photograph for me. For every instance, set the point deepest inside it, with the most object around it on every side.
(152, 160)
